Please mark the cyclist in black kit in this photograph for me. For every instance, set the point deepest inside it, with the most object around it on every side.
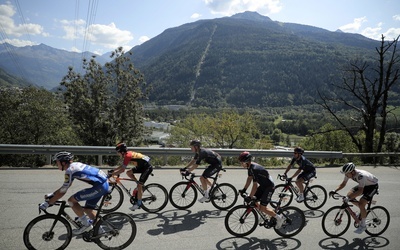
(304, 165)
(263, 186)
(210, 157)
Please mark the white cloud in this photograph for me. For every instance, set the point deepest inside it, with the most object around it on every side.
(230, 7)
(391, 33)
(18, 42)
(7, 12)
(143, 39)
(108, 36)
(373, 32)
(354, 26)
(396, 17)
(195, 16)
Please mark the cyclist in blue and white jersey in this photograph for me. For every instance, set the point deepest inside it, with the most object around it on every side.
(83, 172)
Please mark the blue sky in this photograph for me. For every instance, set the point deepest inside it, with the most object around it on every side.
(102, 25)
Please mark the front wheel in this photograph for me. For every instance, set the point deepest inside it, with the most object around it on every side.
(223, 196)
(377, 221)
(293, 222)
(47, 232)
(315, 197)
(241, 221)
(115, 231)
(282, 193)
(336, 221)
(114, 199)
(154, 198)
(182, 195)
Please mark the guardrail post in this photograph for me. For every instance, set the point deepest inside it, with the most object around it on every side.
(100, 160)
(48, 159)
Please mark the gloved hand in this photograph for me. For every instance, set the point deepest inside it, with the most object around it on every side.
(331, 193)
(44, 205)
(249, 199)
(110, 173)
(346, 199)
(242, 191)
(185, 173)
(288, 180)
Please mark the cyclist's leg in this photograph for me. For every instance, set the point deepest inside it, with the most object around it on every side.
(208, 172)
(145, 173)
(368, 193)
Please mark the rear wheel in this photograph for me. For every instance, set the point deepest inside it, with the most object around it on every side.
(182, 195)
(114, 199)
(315, 197)
(377, 221)
(154, 198)
(241, 221)
(294, 222)
(47, 232)
(115, 231)
(336, 221)
(224, 196)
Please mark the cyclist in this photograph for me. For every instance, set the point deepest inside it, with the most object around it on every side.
(210, 157)
(367, 187)
(91, 175)
(263, 186)
(141, 164)
(305, 166)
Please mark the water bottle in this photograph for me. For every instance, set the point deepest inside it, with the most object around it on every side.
(134, 192)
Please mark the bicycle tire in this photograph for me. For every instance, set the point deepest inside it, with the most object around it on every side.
(114, 199)
(223, 196)
(37, 238)
(315, 197)
(377, 221)
(241, 221)
(182, 195)
(106, 238)
(154, 198)
(294, 222)
(286, 193)
(334, 226)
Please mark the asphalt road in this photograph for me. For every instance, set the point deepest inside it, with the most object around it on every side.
(202, 226)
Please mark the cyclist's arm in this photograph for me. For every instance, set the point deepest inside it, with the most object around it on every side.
(254, 188)
(119, 170)
(342, 185)
(192, 164)
(248, 181)
(57, 195)
(296, 173)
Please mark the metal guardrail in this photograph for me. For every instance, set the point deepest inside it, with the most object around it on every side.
(100, 151)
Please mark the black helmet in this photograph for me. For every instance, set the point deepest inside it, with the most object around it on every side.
(299, 150)
(347, 168)
(121, 147)
(63, 156)
(195, 143)
(245, 157)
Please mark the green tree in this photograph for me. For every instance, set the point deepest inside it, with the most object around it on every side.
(105, 103)
(33, 116)
(367, 95)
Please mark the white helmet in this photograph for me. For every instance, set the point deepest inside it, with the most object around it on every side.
(347, 168)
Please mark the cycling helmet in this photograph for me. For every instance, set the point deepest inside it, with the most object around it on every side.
(195, 143)
(347, 168)
(299, 150)
(121, 147)
(63, 156)
(245, 157)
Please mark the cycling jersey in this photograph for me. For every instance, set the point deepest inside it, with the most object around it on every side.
(364, 178)
(208, 156)
(142, 161)
(85, 173)
(260, 175)
(304, 164)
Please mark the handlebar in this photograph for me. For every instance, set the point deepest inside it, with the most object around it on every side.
(282, 177)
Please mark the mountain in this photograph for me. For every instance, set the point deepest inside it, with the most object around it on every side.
(245, 60)
(41, 64)
(7, 80)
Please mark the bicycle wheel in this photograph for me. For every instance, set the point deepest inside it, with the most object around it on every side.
(114, 199)
(284, 193)
(154, 198)
(241, 221)
(377, 221)
(224, 196)
(315, 197)
(182, 195)
(115, 231)
(47, 232)
(336, 221)
(294, 222)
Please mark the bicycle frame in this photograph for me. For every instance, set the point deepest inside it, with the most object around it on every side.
(289, 185)
(117, 181)
(347, 206)
(192, 182)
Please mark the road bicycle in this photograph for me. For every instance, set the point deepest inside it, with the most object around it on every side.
(336, 220)
(184, 194)
(315, 196)
(53, 230)
(243, 219)
(154, 197)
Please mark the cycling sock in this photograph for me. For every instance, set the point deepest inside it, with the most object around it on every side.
(139, 202)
